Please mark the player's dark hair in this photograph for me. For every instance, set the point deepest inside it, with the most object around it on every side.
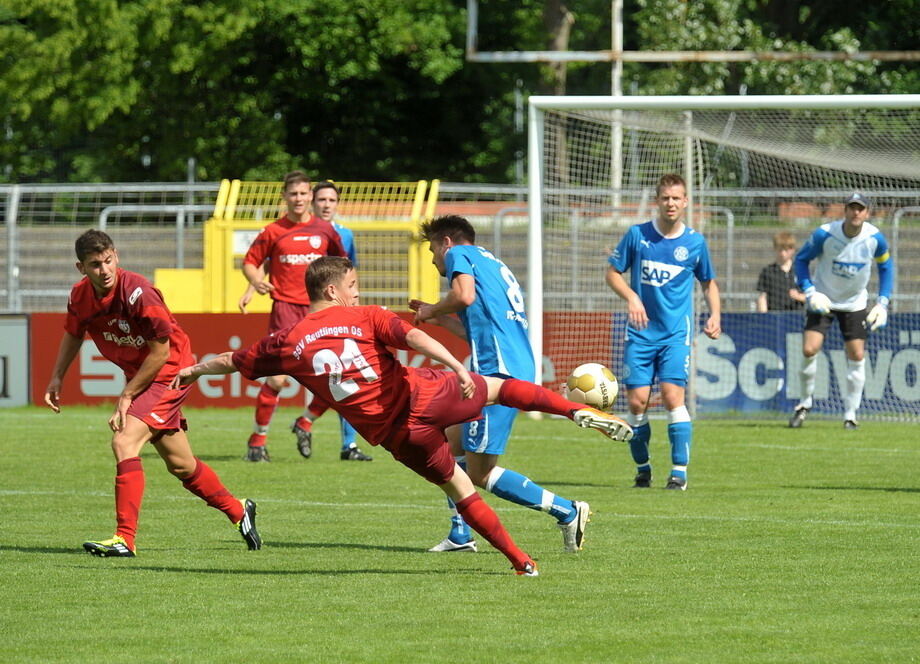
(323, 271)
(453, 226)
(92, 242)
(295, 177)
(670, 180)
(326, 184)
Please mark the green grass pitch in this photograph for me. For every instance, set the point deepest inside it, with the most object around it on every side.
(789, 546)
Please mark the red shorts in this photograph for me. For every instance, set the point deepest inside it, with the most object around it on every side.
(285, 314)
(436, 404)
(160, 407)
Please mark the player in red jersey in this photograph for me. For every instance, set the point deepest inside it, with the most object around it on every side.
(342, 353)
(132, 327)
(287, 247)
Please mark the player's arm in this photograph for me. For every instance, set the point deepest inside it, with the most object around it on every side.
(255, 275)
(638, 317)
(216, 366)
(67, 351)
(150, 367)
(816, 302)
(713, 327)
(462, 294)
(762, 303)
(434, 350)
(878, 315)
(246, 297)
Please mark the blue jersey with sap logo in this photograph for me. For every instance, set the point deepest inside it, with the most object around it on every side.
(661, 273)
(495, 323)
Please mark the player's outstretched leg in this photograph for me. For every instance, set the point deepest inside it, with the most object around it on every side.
(524, 395)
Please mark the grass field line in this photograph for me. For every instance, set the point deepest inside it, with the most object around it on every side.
(407, 506)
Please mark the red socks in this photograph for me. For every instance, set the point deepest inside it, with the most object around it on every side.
(524, 395)
(129, 492)
(205, 484)
(480, 517)
(266, 403)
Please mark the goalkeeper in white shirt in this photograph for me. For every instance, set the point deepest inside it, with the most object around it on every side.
(844, 251)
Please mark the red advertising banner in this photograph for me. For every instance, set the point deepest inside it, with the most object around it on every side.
(93, 379)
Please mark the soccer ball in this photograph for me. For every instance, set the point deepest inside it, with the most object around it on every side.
(593, 385)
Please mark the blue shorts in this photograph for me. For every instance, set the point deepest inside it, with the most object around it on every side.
(490, 434)
(643, 363)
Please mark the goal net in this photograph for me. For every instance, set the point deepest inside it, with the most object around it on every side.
(754, 166)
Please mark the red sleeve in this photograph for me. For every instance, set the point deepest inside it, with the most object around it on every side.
(336, 248)
(390, 328)
(72, 324)
(260, 249)
(263, 358)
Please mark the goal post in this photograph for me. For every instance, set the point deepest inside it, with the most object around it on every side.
(755, 165)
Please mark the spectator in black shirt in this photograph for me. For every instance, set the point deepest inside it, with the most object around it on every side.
(776, 284)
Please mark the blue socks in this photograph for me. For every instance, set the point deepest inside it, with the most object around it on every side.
(522, 490)
(348, 433)
(680, 433)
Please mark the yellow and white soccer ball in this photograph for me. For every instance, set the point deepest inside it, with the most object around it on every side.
(594, 385)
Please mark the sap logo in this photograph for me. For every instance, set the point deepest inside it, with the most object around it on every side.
(658, 274)
(846, 270)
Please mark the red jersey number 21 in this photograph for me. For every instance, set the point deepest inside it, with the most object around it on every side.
(327, 362)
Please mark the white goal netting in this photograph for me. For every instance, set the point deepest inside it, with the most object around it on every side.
(752, 172)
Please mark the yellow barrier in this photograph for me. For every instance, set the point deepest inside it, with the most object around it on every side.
(394, 264)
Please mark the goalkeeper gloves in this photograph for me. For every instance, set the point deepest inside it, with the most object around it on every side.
(818, 303)
(878, 315)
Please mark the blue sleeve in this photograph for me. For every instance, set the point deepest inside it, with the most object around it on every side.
(348, 242)
(457, 261)
(704, 270)
(885, 267)
(622, 257)
(809, 251)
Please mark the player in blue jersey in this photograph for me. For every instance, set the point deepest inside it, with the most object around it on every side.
(844, 251)
(488, 299)
(663, 257)
(325, 204)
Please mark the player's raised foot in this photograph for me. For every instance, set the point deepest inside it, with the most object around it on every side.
(354, 454)
(676, 483)
(528, 569)
(643, 480)
(447, 545)
(116, 547)
(304, 438)
(247, 526)
(798, 417)
(609, 425)
(850, 425)
(573, 532)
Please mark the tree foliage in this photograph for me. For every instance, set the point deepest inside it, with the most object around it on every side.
(368, 89)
